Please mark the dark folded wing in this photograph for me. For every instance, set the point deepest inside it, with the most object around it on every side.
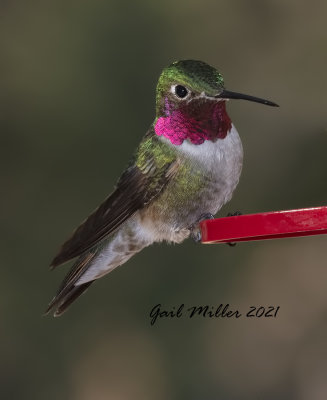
(138, 185)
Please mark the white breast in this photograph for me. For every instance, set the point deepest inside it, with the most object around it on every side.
(214, 155)
(224, 157)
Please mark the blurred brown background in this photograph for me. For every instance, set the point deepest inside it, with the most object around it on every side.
(77, 94)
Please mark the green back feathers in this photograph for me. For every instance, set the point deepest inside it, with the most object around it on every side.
(159, 161)
(154, 152)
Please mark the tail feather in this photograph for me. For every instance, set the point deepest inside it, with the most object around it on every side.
(63, 300)
(68, 291)
(75, 292)
(97, 262)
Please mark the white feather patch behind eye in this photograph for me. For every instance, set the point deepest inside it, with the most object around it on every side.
(203, 95)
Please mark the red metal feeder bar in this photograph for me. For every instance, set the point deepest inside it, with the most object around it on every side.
(268, 225)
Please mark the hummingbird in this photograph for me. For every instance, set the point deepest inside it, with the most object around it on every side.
(185, 169)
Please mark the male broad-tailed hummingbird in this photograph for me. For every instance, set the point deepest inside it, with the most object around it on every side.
(186, 167)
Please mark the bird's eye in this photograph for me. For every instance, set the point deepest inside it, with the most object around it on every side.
(181, 91)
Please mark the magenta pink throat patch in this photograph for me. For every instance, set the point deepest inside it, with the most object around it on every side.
(204, 123)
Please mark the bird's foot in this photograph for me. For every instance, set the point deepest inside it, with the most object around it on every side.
(195, 228)
(234, 214)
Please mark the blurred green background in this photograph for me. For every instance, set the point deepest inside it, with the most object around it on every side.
(77, 94)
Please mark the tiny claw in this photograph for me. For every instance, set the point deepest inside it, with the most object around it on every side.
(234, 214)
(195, 228)
(196, 234)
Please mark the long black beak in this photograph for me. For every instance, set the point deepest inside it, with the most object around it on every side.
(226, 94)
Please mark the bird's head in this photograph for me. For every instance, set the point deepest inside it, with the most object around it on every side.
(190, 103)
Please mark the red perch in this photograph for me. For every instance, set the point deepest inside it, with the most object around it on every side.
(268, 225)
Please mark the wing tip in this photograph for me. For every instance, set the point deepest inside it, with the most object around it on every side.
(55, 262)
(61, 258)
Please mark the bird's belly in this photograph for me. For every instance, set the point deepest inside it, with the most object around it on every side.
(191, 205)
